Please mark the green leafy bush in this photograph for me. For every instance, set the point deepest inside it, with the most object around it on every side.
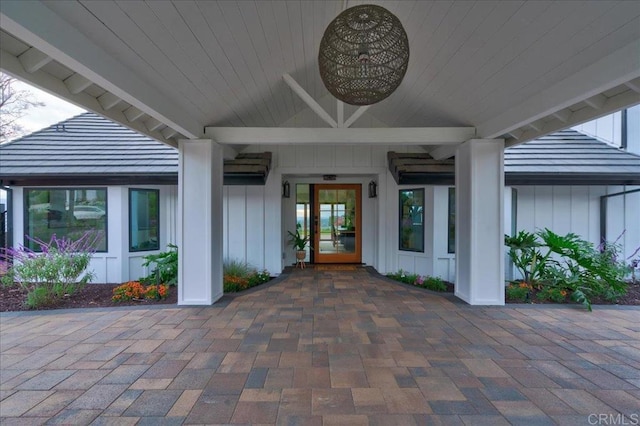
(560, 266)
(430, 283)
(166, 267)
(238, 276)
(554, 294)
(519, 292)
(57, 271)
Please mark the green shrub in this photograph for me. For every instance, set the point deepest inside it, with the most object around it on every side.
(403, 277)
(554, 294)
(166, 267)
(518, 292)
(238, 276)
(258, 278)
(568, 265)
(57, 271)
(430, 283)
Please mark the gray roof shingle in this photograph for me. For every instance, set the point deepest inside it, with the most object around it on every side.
(569, 156)
(86, 143)
(89, 149)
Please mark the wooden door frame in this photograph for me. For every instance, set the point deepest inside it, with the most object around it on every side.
(356, 256)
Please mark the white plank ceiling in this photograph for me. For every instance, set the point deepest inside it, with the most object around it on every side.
(517, 69)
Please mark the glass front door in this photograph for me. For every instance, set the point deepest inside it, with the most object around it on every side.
(337, 224)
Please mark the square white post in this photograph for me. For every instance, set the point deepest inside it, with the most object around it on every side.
(200, 229)
(480, 222)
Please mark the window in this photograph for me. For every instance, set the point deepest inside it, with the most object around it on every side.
(451, 222)
(412, 220)
(144, 219)
(66, 213)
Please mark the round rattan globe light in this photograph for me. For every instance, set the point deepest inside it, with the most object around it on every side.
(364, 54)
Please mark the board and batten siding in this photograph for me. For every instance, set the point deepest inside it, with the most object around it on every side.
(562, 209)
(117, 264)
(609, 129)
(244, 224)
(576, 209)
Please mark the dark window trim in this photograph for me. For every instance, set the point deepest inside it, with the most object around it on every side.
(451, 242)
(25, 209)
(400, 220)
(132, 250)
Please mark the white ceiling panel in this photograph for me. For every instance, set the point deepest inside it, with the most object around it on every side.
(220, 63)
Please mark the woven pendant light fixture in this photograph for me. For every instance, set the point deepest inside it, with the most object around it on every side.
(364, 55)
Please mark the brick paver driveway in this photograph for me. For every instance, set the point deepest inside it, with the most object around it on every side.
(329, 347)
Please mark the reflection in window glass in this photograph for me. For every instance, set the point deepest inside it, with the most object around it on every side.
(144, 219)
(412, 220)
(67, 213)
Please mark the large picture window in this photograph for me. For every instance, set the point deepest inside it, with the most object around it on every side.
(144, 219)
(65, 212)
(412, 220)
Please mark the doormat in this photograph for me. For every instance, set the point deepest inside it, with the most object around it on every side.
(336, 267)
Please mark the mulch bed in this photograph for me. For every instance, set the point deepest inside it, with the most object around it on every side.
(99, 295)
(91, 296)
(631, 298)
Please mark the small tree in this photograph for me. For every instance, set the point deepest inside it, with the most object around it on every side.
(14, 105)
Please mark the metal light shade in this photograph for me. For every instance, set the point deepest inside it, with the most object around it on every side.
(364, 55)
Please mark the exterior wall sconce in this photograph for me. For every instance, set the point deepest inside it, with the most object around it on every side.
(373, 189)
(286, 189)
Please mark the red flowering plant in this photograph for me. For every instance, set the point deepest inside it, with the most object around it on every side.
(156, 292)
(134, 290)
(128, 291)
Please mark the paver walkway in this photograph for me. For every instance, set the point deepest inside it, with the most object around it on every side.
(323, 347)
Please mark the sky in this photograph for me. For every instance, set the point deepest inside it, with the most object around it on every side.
(54, 111)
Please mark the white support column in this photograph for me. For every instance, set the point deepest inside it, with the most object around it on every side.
(200, 230)
(480, 222)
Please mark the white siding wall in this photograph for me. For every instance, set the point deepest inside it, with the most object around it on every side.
(244, 224)
(633, 129)
(576, 209)
(605, 128)
(562, 209)
(116, 265)
(609, 129)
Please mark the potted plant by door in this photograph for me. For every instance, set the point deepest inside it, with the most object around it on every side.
(299, 243)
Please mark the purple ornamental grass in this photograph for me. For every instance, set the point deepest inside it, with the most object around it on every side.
(87, 243)
(58, 271)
